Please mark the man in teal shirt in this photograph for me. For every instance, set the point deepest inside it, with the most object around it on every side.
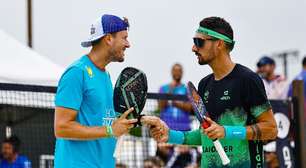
(85, 121)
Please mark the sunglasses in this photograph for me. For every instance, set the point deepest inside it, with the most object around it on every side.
(199, 42)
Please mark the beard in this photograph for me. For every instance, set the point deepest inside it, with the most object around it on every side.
(121, 59)
(117, 56)
(201, 61)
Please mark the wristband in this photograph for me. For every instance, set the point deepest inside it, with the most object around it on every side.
(109, 131)
(235, 132)
(175, 137)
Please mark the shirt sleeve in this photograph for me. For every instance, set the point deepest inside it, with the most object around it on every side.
(70, 89)
(255, 95)
(192, 138)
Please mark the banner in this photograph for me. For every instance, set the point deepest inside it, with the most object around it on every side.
(284, 141)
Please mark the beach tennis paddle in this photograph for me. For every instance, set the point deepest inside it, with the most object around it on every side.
(200, 113)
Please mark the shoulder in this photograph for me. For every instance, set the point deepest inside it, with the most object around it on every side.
(182, 86)
(77, 68)
(78, 65)
(164, 87)
(280, 79)
(247, 74)
(205, 80)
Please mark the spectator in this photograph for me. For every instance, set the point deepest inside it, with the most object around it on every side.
(276, 86)
(259, 69)
(120, 165)
(175, 113)
(10, 154)
(182, 157)
(164, 151)
(153, 162)
(300, 76)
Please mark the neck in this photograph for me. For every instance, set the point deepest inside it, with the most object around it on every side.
(13, 158)
(222, 66)
(100, 57)
(175, 83)
(271, 77)
(304, 68)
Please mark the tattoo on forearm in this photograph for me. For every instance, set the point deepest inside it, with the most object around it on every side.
(258, 132)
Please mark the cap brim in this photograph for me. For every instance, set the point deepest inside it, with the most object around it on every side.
(86, 43)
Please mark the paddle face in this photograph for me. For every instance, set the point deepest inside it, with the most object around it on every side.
(130, 91)
(197, 104)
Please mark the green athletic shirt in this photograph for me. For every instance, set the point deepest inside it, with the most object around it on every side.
(236, 100)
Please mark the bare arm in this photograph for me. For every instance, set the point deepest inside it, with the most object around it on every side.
(65, 126)
(264, 129)
(162, 104)
(185, 106)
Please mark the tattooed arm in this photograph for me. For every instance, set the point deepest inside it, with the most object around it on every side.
(264, 129)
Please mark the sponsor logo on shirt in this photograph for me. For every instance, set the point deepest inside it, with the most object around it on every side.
(212, 149)
(225, 96)
(89, 71)
(109, 117)
(206, 94)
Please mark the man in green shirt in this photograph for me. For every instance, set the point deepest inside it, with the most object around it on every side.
(235, 99)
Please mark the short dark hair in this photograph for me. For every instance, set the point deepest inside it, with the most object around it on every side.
(177, 64)
(304, 61)
(14, 141)
(221, 26)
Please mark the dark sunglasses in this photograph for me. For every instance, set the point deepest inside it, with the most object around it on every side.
(199, 42)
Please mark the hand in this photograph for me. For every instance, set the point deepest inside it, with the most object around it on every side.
(214, 131)
(158, 128)
(122, 125)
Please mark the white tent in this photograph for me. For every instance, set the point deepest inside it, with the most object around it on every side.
(21, 65)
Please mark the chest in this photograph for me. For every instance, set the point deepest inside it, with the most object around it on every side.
(98, 91)
(222, 96)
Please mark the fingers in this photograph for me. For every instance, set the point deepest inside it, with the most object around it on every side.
(215, 131)
(150, 120)
(210, 129)
(126, 113)
(212, 135)
(209, 120)
(130, 121)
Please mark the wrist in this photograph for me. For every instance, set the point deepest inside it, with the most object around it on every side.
(175, 137)
(234, 132)
(109, 131)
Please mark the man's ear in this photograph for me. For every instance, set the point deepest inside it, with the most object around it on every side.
(108, 39)
(221, 44)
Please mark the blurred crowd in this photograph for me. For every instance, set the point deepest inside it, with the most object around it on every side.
(10, 154)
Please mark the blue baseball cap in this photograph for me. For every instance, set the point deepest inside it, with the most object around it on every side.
(104, 25)
(265, 61)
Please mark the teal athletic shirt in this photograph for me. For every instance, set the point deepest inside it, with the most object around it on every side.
(88, 90)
